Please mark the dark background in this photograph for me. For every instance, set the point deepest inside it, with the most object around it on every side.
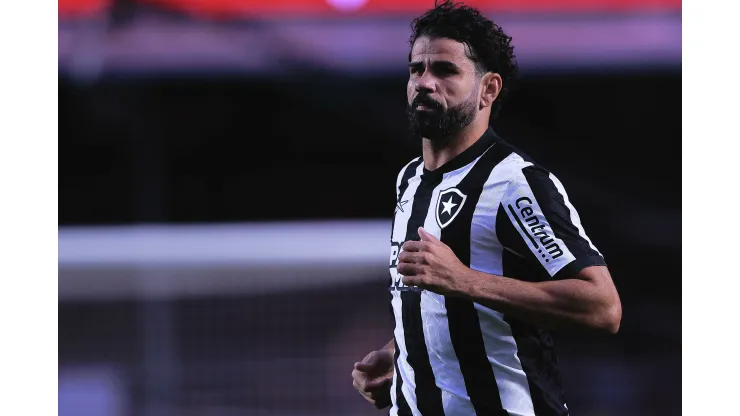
(198, 149)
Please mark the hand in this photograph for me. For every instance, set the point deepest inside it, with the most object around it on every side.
(373, 376)
(430, 264)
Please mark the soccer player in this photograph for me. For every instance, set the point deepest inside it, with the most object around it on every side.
(487, 252)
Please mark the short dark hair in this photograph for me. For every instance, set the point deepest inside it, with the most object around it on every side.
(490, 47)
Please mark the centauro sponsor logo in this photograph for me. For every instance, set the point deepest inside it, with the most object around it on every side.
(534, 229)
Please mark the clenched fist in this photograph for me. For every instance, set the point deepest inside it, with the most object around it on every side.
(432, 265)
(373, 376)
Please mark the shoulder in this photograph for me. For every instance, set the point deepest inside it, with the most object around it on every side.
(517, 164)
(520, 171)
(408, 170)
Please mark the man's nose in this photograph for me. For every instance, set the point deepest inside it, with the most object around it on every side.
(426, 83)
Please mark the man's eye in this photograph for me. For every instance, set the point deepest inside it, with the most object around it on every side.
(446, 71)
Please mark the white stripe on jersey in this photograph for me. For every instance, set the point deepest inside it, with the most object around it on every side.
(574, 217)
(394, 409)
(526, 215)
(498, 339)
(399, 235)
(401, 173)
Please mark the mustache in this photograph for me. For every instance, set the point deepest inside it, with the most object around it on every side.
(426, 102)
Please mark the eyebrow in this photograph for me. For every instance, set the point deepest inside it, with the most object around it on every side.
(437, 64)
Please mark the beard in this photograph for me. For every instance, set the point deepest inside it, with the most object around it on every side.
(438, 124)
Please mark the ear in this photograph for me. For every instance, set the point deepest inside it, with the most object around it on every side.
(491, 84)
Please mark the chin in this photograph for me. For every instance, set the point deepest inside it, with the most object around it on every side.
(434, 135)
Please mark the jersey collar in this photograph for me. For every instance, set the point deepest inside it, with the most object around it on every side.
(467, 156)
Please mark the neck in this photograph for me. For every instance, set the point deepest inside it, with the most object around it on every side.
(436, 154)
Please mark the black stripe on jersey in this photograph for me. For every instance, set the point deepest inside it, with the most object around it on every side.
(428, 395)
(536, 351)
(465, 332)
(557, 213)
(403, 406)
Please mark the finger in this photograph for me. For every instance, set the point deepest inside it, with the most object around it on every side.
(358, 386)
(421, 282)
(375, 384)
(413, 245)
(412, 257)
(408, 269)
(425, 236)
(412, 281)
(372, 358)
(365, 366)
(358, 375)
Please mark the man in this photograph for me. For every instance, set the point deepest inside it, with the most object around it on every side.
(487, 252)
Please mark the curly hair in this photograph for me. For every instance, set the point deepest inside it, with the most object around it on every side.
(489, 47)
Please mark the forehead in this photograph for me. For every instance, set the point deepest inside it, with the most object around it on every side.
(439, 49)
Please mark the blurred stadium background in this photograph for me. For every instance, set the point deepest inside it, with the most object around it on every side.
(226, 186)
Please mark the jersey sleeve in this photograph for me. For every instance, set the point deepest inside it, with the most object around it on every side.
(536, 221)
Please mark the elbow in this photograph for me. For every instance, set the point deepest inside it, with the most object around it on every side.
(610, 317)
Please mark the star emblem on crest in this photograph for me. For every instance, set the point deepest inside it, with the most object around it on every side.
(448, 206)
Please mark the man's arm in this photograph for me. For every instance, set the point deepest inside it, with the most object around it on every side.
(589, 300)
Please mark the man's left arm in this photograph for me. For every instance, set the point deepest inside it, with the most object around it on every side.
(587, 300)
(538, 224)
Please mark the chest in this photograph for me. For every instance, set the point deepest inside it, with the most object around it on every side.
(461, 213)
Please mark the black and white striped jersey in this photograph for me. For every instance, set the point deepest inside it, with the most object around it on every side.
(501, 214)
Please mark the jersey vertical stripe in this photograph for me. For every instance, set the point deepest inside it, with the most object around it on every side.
(403, 394)
(428, 394)
(574, 217)
(408, 172)
(399, 405)
(501, 347)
